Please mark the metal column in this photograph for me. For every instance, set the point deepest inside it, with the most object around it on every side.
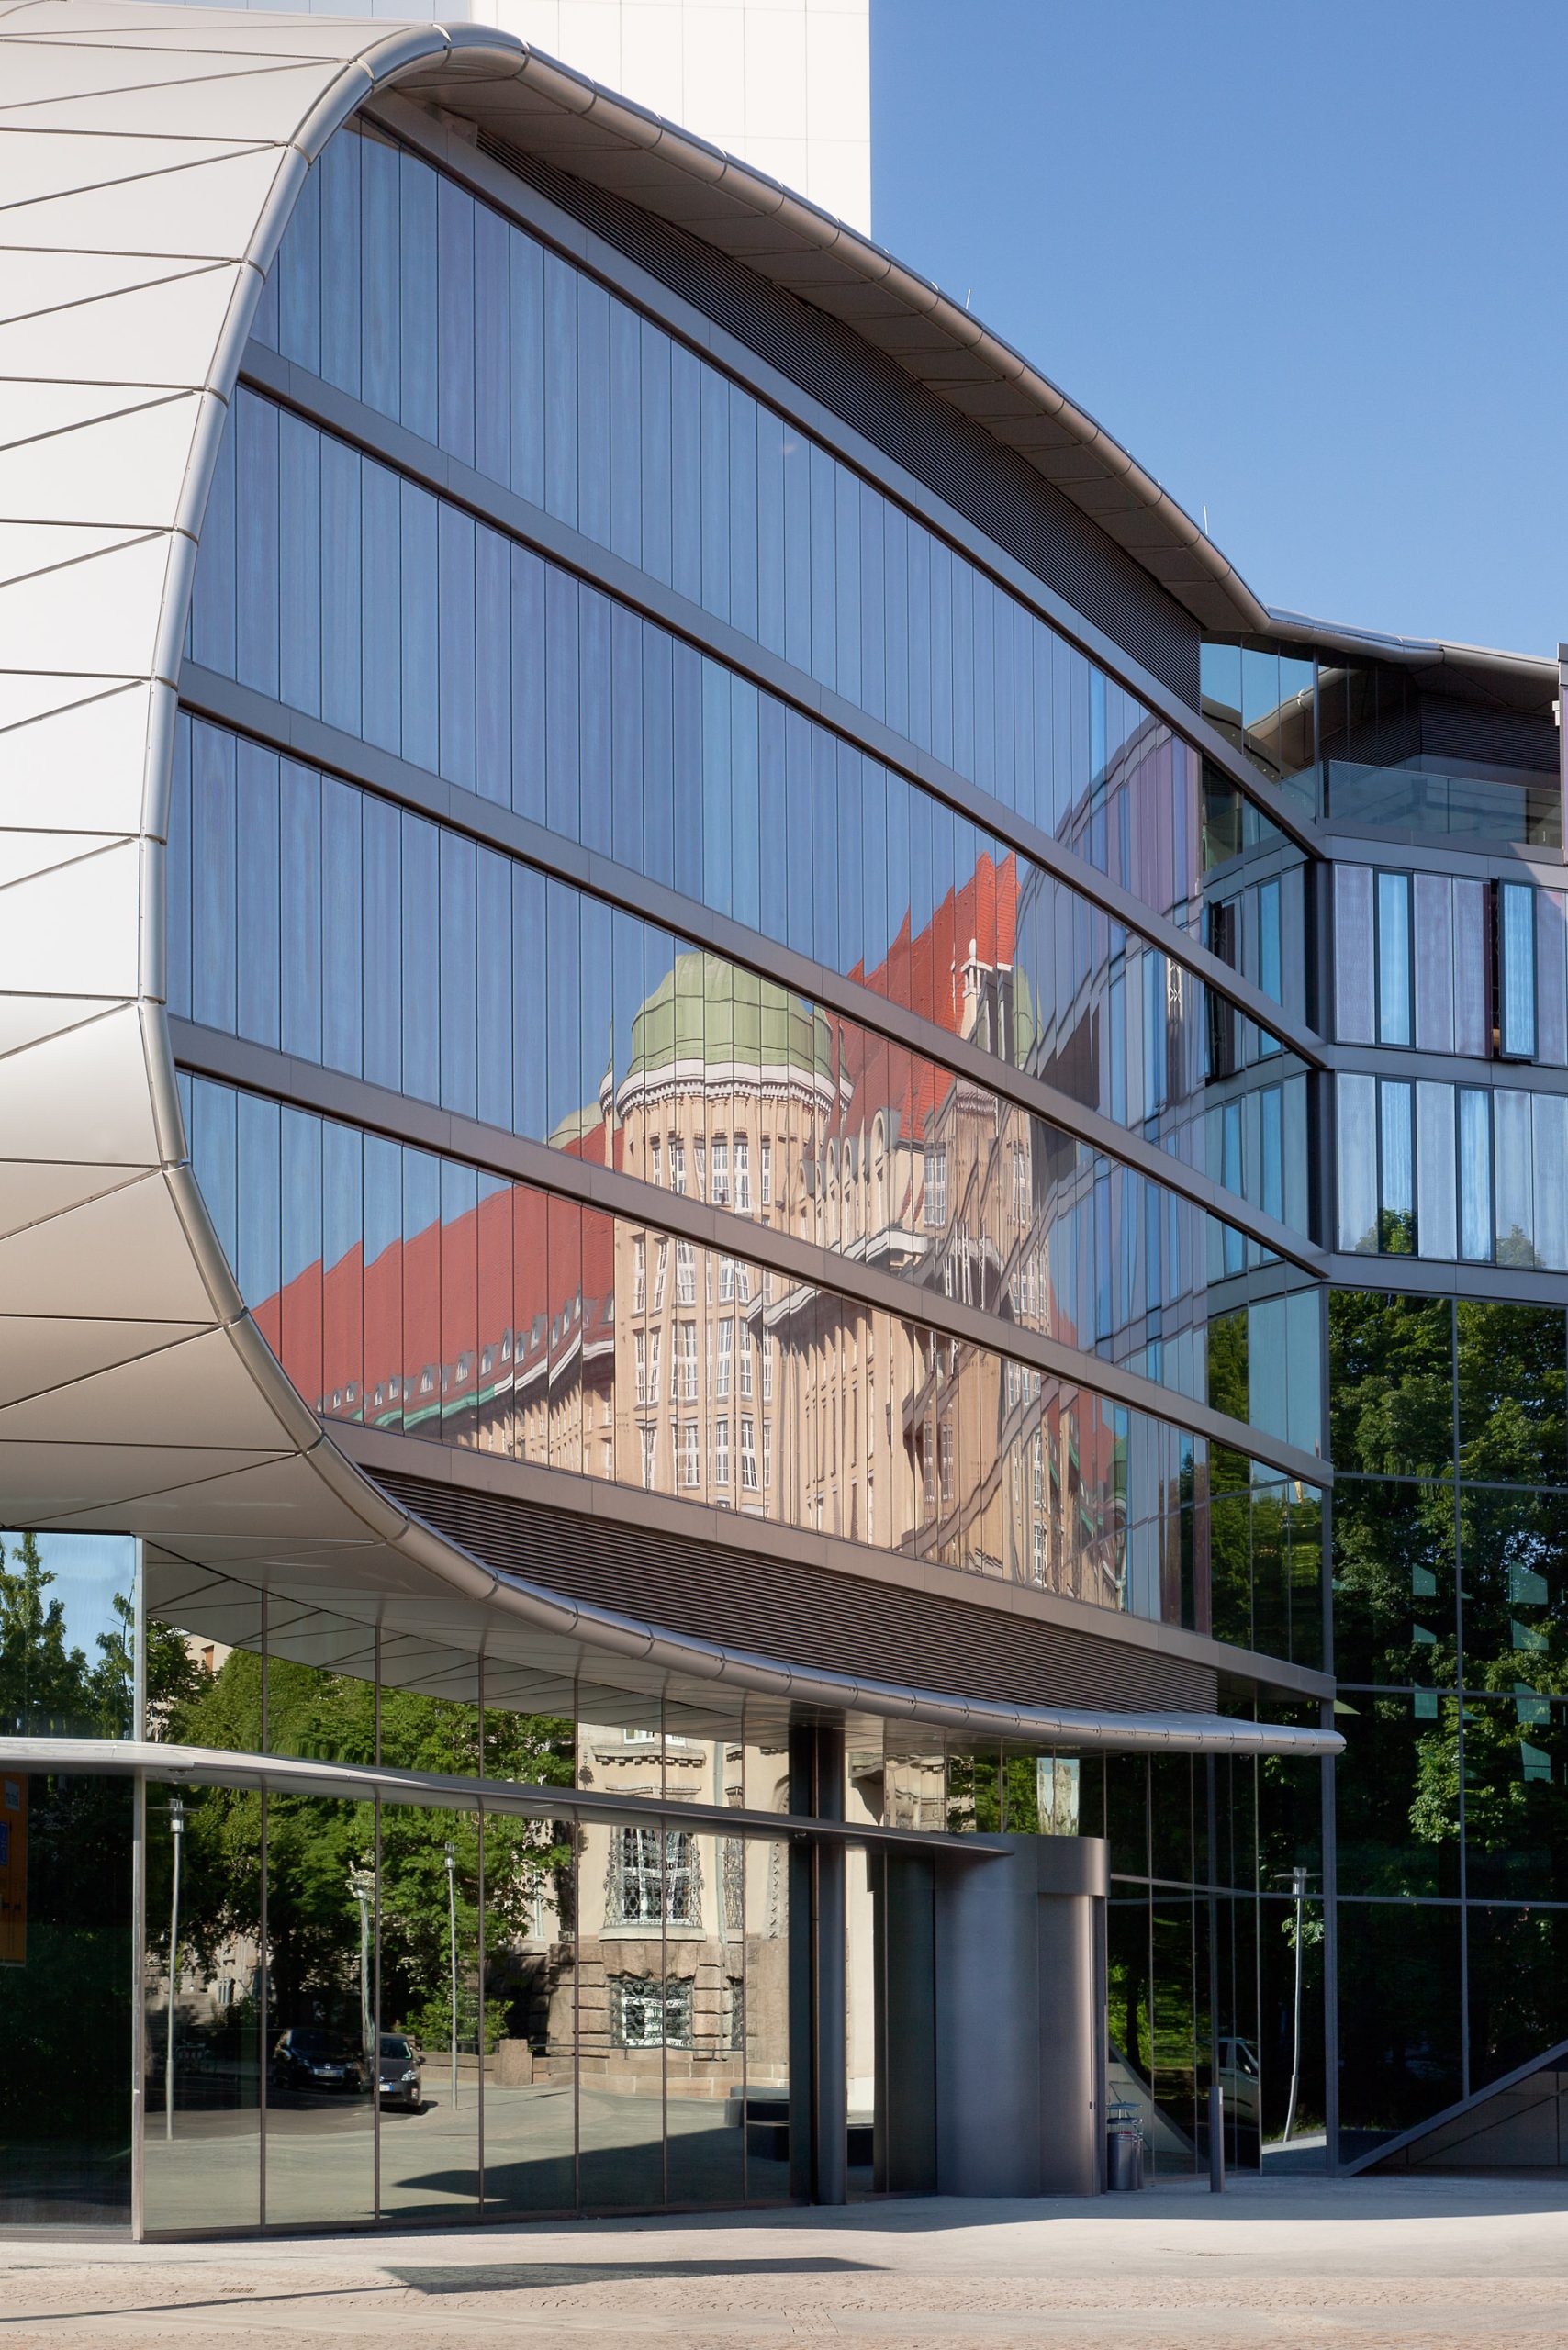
(819, 2118)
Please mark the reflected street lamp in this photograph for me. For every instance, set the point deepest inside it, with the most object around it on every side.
(362, 1885)
(177, 1832)
(1296, 1880)
(452, 1933)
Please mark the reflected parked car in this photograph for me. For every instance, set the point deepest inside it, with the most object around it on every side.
(401, 2079)
(1238, 2078)
(306, 2057)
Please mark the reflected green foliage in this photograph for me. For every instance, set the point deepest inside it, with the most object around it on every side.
(1397, 1795)
(1394, 1618)
(315, 1846)
(1228, 1389)
(48, 1685)
(1395, 1233)
(988, 1796)
(1390, 1383)
(1513, 1393)
(1266, 1563)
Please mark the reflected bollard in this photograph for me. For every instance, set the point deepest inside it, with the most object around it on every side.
(1217, 2139)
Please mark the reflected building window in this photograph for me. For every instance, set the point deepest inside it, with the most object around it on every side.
(647, 2013)
(653, 1878)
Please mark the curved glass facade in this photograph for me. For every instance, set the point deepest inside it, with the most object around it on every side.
(370, 922)
(336, 587)
(410, 1292)
(396, 285)
(317, 918)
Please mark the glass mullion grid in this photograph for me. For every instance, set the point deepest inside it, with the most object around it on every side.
(575, 830)
(668, 947)
(520, 234)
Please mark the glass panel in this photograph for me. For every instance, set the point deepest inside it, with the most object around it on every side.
(1474, 1176)
(1515, 1836)
(1173, 2139)
(1291, 2033)
(320, 2115)
(642, 1905)
(1393, 958)
(203, 2099)
(66, 1945)
(1397, 1235)
(1551, 977)
(1393, 1583)
(1434, 963)
(531, 1976)
(1353, 941)
(1471, 994)
(1516, 967)
(1436, 1208)
(1549, 1139)
(764, 2021)
(67, 1618)
(1514, 1558)
(1397, 1795)
(1356, 1098)
(430, 2029)
(705, 2081)
(1399, 2017)
(1515, 1960)
(1513, 1204)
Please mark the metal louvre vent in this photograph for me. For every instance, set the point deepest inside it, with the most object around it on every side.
(803, 1615)
(1451, 729)
(1000, 493)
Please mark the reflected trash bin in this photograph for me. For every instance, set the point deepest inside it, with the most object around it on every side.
(1123, 2152)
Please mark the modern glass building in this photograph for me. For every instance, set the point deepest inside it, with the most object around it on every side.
(713, 1064)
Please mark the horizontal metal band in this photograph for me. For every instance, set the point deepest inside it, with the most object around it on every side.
(794, 1591)
(445, 477)
(213, 1766)
(212, 1052)
(220, 698)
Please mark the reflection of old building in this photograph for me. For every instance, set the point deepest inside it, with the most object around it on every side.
(674, 1979)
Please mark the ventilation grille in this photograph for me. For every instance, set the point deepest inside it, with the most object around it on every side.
(804, 1615)
(1451, 729)
(999, 492)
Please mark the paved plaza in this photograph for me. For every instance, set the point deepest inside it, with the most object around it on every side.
(1290, 2262)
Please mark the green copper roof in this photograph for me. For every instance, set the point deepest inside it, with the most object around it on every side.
(705, 1009)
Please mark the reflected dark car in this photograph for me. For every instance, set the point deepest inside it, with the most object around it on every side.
(306, 2057)
(401, 2081)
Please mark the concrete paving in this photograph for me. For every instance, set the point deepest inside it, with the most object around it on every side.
(1296, 2262)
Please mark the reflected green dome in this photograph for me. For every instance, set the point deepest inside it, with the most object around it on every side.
(705, 1009)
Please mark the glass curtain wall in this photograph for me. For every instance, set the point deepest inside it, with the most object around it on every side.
(67, 1623)
(396, 286)
(438, 639)
(315, 918)
(1195, 1986)
(1451, 1599)
(416, 1294)
(395, 2009)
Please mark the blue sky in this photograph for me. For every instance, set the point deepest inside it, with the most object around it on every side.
(1310, 266)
